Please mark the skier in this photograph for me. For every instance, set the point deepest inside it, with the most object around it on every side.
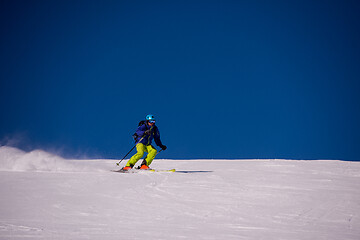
(146, 132)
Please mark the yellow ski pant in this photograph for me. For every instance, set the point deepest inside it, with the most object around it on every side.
(141, 148)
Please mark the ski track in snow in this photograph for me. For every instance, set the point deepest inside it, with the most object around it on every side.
(44, 196)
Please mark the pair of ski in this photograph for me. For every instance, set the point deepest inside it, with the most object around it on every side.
(134, 170)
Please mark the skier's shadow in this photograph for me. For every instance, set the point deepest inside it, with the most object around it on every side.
(193, 171)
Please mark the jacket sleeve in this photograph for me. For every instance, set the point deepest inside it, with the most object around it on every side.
(140, 131)
(157, 137)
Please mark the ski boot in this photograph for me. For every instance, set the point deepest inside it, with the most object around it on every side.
(127, 168)
(144, 166)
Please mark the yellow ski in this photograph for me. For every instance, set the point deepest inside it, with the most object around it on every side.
(155, 170)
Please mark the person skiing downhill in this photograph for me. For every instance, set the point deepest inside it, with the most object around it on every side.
(145, 133)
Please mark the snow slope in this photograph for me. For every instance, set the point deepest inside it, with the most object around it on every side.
(46, 197)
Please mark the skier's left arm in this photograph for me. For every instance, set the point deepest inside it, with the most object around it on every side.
(157, 139)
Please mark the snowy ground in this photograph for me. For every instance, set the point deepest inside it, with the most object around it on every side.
(46, 197)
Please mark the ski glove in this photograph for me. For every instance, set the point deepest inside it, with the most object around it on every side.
(163, 147)
(147, 132)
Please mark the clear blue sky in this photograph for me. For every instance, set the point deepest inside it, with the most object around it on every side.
(225, 79)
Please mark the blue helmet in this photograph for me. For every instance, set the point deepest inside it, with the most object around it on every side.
(150, 117)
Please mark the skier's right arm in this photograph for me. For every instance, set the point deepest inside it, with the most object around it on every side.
(141, 130)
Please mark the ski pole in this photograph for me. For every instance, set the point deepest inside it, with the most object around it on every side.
(126, 155)
(129, 151)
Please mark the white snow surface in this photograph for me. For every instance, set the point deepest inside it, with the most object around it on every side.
(44, 196)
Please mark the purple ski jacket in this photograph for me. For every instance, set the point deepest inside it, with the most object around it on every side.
(140, 137)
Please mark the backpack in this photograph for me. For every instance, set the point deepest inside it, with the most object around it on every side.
(142, 122)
